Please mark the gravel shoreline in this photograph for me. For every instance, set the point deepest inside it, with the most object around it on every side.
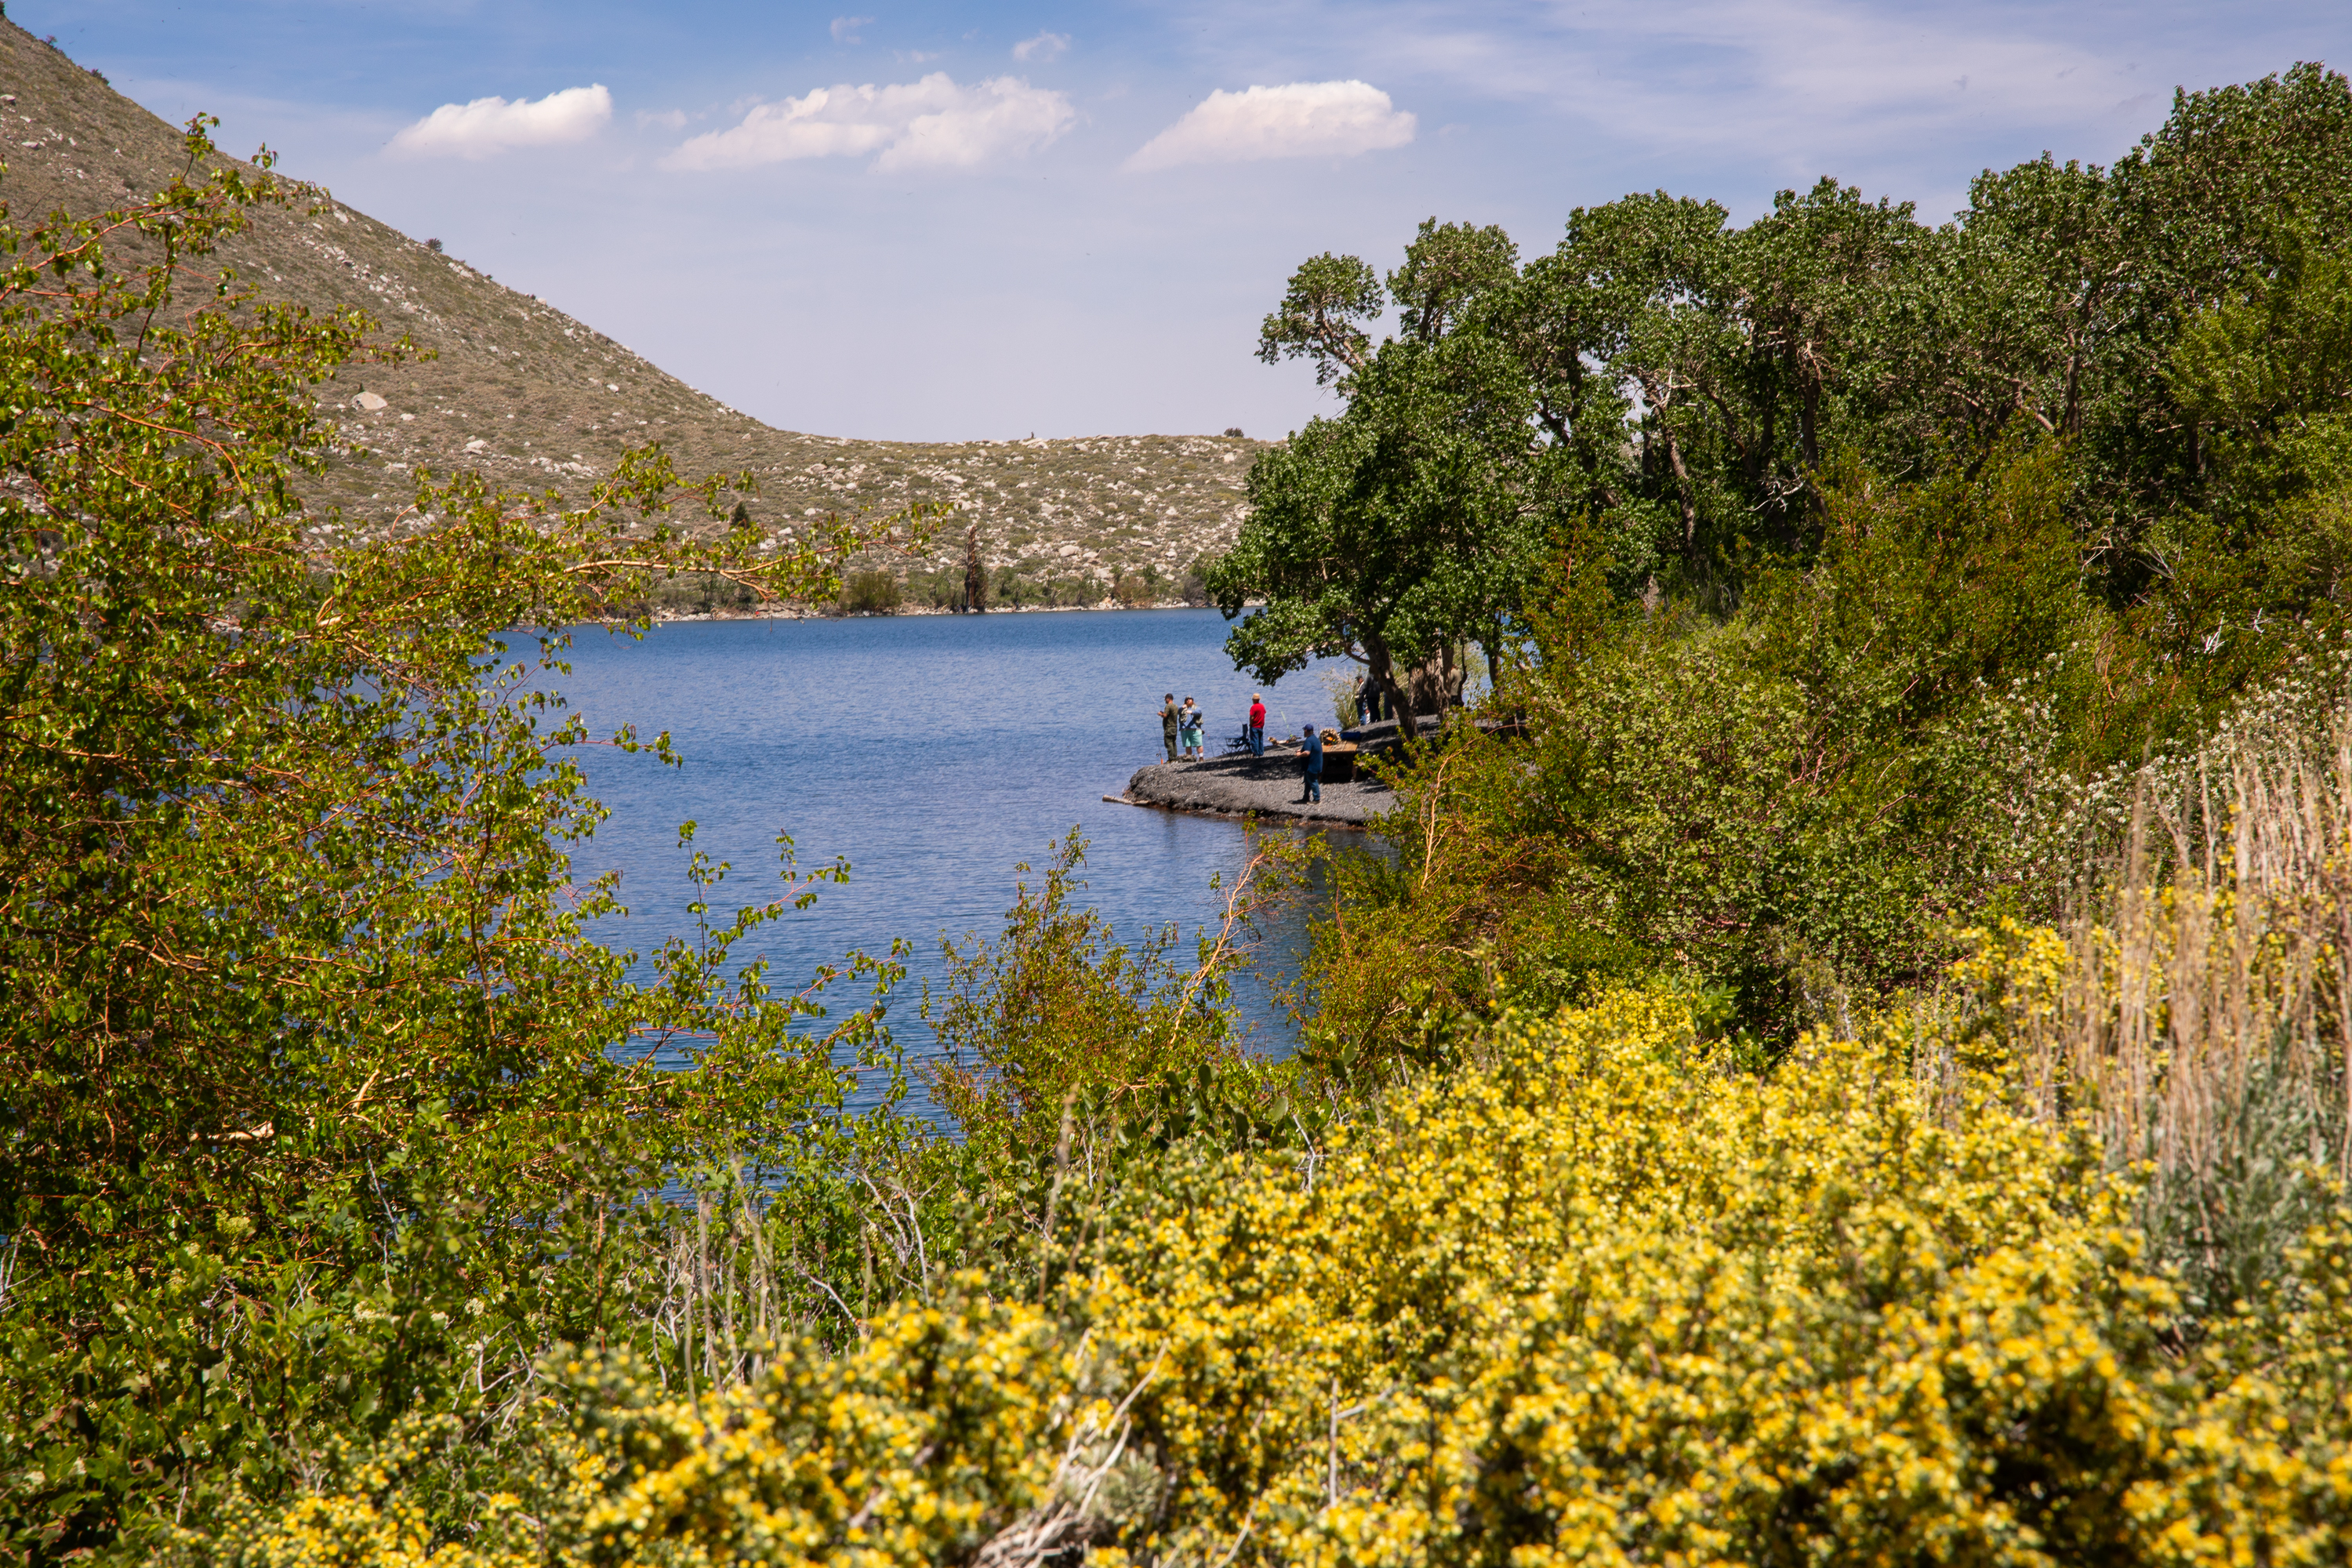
(1240, 786)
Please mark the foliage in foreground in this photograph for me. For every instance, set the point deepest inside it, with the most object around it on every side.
(1591, 1298)
(319, 1108)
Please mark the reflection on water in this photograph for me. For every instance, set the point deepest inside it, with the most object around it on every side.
(935, 753)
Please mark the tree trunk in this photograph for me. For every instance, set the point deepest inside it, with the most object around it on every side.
(1430, 687)
(1381, 686)
(1659, 401)
(1812, 437)
(1810, 431)
(975, 575)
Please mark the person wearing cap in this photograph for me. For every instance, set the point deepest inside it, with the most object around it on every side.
(1169, 717)
(1314, 792)
(1257, 725)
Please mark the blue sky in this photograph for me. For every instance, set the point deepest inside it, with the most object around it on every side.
(1070, 219)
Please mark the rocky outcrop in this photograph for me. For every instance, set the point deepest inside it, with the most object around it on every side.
(1245, 786)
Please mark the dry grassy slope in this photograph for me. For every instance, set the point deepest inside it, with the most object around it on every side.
(532, 397)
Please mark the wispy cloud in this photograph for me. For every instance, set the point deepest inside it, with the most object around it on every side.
(667, 119)
(1830, 72)
(1044, 47)
(1797, 79)
(488, 126)
(933, 123)
(845, 28)
(1304, 118)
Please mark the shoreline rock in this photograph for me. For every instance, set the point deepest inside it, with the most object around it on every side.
(1242, 787)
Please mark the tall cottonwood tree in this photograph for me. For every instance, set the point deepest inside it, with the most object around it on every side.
(1391, 534)
(1669, 389)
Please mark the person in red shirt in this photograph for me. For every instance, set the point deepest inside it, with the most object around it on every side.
(1257, 725)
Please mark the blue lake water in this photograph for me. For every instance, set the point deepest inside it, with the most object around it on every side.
(935, 753)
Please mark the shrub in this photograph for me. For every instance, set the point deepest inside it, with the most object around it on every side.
(1194, 587)
(1793, 805)
(941, 590)
(1592, 1299)
(2192, 1009)
(695, 592)
(1013, 588)
(1055, 1004)
(869, 593)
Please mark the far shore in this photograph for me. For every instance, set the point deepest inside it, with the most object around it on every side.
(814, 613)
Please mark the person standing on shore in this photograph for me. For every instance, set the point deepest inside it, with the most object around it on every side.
(1314, 790)
(1169, 719)
(1193, 720)
(1257, 725)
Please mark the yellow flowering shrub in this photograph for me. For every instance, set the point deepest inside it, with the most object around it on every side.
(1588, 1300)
(1595, 1303)
(916, 1446)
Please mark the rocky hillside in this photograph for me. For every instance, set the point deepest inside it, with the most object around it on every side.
(531, 397)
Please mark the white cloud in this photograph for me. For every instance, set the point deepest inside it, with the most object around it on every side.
(1305, 119)
(1044, 47)
(489, 125)
(667, 119)
(845, 28)
(928, 124)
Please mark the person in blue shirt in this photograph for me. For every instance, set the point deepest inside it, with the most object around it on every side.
(1314, 767)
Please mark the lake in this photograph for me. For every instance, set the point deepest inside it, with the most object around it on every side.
(936, 752)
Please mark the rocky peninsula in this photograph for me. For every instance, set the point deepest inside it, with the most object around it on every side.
(1242, 785)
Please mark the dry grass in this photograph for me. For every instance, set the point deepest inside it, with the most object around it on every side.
(2194, 1014)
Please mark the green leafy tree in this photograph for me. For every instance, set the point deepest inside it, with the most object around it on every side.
(2007, 312)
(1642, 280)
(1405, 526)
(319, 1109)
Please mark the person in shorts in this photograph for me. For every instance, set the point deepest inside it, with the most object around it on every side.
(1194, 720)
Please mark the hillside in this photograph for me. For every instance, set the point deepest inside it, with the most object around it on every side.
(532, 397)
